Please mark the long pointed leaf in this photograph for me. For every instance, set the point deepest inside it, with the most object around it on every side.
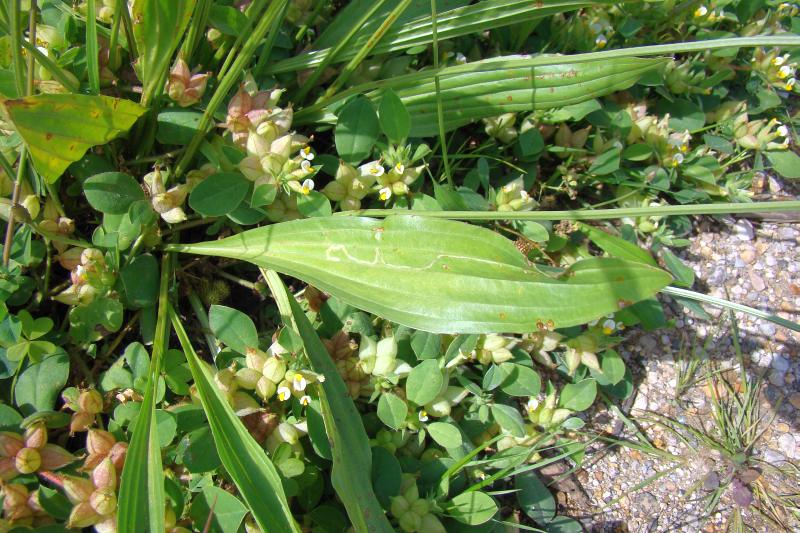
(436, 275)
(59, 128)
(141, 492)
(245, 461)
(352, 457)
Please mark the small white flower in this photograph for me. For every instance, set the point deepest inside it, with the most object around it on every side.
(320, 378)
(609, 326)
(423, 416)
(601, 41)
(385, 193)
(308, 186)
(373, 168)
(790, 84)
(306, 153)
(299, 382)
(305, 400)
(677, 159)
(780, 60)
(306, 165)
(782, 130)
(785, 71)
(399, 168)
(701, 11)
(284, 394)
(532, 404)
(524, 195)
(461, 58)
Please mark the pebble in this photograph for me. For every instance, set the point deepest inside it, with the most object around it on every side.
(757, 282)
(743, 229)
(770, 261)
(774, 458)
(780, 363)
(748, 256)
(717, 277)
(767, 328)
(776, 378)
(787, 445)
(787, 233)
(794, 400)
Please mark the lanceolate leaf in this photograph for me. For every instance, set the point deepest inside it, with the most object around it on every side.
(141, 492)
(436, 275)
(245, 461)
(59, 128)
(352, 457)
(464, 20)
(492, 87)
(158, 27)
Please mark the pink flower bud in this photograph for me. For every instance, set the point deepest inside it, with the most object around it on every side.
(36, 435)
(117, 455)
(103, 501)
(14, 495)
(7, 469)
(81, 421)
(90, 401)
(83, 515)
(99, 441)
(28, 460)
(104, 475)
(10, 444)
(55, 457)
(70, 258)
(77, 489)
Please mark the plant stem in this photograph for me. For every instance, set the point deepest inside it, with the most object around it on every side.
(202, 317)
(14, 199)
(92, 51)
(439, 109)
(591, 214)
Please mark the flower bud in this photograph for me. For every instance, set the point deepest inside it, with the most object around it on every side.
(54, 457)
(81, 421)
(573, 359)
(399, 506)
(7, 469)
(243, 403)
(410, 522)
(99, 441)
(439, 407)
(420, 507)
(266, 388)
(10, 444)
(117, 455)
(247, 378)
(77, 489)
(103, 501)
(431, 524)
(104, 475)
(14, 495)
(36, 435)
(82, 515)
(274, 369)
(27, 460)
(90, 401)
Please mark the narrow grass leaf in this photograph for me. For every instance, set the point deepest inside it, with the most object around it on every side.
(474, 280)
(141, 492)
(243, 458)
(92, 49)
(59, 128)
(352, 457)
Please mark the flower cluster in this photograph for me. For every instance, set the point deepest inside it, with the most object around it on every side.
(501, 127)
(351, 185)
(28, 453)
(513, 197)
(412, 512)
(94, 500)
(343, 352)
(91, 276)
(21, 508)
(777, 69)
(760, 134)
(86, 404)
(184, 87)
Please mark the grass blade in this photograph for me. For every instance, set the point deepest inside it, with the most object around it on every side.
(92, 49)
(141, 492)
(352, 457)
(243, 458)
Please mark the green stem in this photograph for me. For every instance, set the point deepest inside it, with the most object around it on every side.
(439, 109)
(202, 317)
(16, 47)
(113, 58)
(92, 59)
(23, 158)
(713, 300)
(590, 214)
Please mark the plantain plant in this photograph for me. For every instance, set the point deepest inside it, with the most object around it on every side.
(173, 156)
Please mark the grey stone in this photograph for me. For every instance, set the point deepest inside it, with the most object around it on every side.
(744, 230)
(780, 363)
(787, 445)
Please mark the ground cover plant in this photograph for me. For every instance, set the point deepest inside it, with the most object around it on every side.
(470, 204)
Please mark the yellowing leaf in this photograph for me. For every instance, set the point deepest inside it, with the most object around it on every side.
(59, 128)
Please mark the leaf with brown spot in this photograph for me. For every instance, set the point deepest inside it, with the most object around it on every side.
(59, 128)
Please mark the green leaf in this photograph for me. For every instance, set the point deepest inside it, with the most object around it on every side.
(392, 410)
(613, 369)
(112, 192)
(59, 128)
(578, 396)
(474, 280)
(352, 458)
(534, 498)
(314, 204)
(637, 152)
(177, 126)
(684, 275)
(424, 382)
(140, 281)
(386, 474)
(84, 320)
(426, 345)
(521, 380)
(785, 162)
(141, 491)
(509, 419)
(233, 328)
(158, 27)
(605, 163)
(446, 435)
(243, 458)
(219, 194)
(225, 511)
(39, 384)
(394, 117)
(617, 246)
(473, 508)
(356, 130)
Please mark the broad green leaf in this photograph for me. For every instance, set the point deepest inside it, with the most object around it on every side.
(224, 510)
(785, 162)
(473, 508)
(140, 281)
(219, 194)
(495, 86)
(386, 474)
(617, 246)
(606, 163)
(356, 130)
(392, 410)
(243, 458)
(474, 280)
(177, 126)
(233, 328)
(446, 435)
(683, 274)
(509, 419)
(534, 498)
(158, 27)
(521, 380)
(424, 383)
(613, 369)
(59, 128)
(39, 384)
(578, 396)
(426, 345)
(352, 458)
(314, 204)
(141, 491)
(394, 117)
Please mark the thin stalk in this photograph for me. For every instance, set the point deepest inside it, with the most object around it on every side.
(592, 214)
(16, 47)
(340, 45)
(128, 25)
(252, 15)
(23, 158)
(439, 109)
(712, 300)
(269, 42)
(92, 49)
(196, 28)
(32, 39)
(202, 317)
(113, 58)
(310, 18)
(226, 83)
